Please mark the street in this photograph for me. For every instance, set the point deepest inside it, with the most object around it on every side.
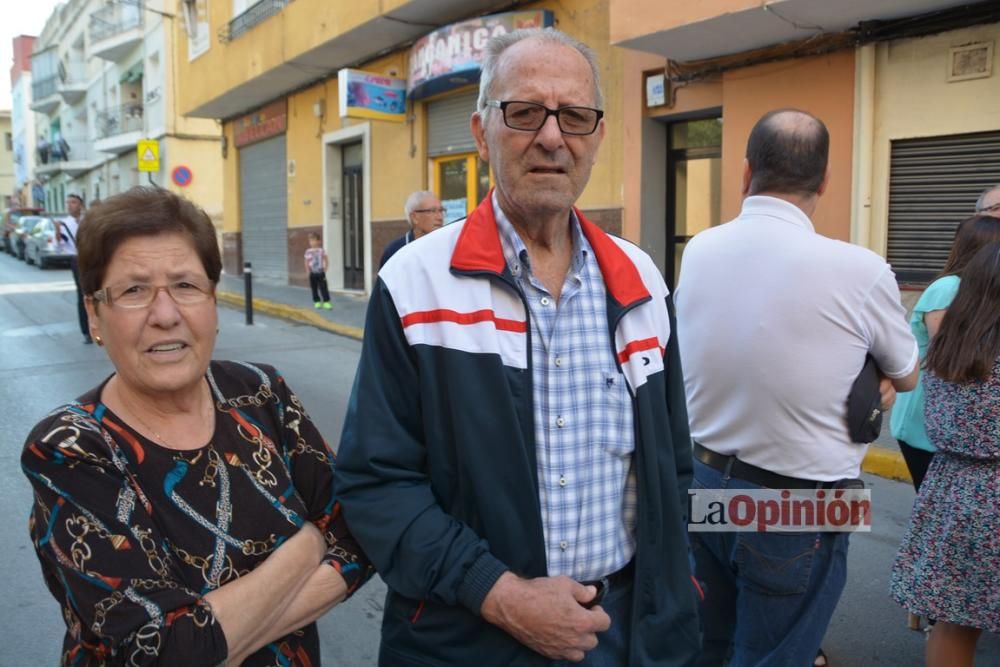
(44, 363)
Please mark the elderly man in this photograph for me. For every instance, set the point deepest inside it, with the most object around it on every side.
(516, 456)
(775, 324)
(424, 213)
(989, 202)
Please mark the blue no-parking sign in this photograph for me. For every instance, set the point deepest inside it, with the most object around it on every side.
(182, 176)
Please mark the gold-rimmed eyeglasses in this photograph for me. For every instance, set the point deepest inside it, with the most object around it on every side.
(531, 116)
(140, 295)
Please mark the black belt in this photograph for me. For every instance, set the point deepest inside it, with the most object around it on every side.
(733, 467)
(620, 577)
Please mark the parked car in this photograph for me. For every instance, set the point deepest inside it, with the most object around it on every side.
(40, 246)
(22, 228)
(10, 219)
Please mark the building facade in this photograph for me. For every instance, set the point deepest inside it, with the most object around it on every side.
(910, 92)
(22, 121)
(334, 112)
(6, 162)
(104, 79)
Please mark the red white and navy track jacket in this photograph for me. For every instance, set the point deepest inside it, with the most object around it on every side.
(436, 469)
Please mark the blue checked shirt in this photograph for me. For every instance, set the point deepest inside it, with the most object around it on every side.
(583, 416)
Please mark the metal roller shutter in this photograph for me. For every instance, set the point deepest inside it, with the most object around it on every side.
(264, 207)
(933, 186)
(448, 124)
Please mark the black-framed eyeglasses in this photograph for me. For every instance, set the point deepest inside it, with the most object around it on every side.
(993, 208)
(440, 209)
(530, 117)
(141, 295)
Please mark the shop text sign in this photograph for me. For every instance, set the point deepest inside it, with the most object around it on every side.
(368, 95)
(451, 56)
(261, 124)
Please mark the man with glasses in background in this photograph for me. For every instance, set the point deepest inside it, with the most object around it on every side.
(989, 202)
(424, 213)
(516, 456)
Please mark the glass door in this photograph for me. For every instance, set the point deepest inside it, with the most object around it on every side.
(461, 182)
(694, 188)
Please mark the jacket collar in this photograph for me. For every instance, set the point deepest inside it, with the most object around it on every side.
(478, 249)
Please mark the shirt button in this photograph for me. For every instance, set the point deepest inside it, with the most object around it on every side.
(562, 480)
(544, 301)
(563, 545)
(558, 361)
(560, 421)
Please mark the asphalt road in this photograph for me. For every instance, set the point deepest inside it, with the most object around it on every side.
(43, 363)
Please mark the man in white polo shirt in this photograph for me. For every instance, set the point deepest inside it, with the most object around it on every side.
(774, 323)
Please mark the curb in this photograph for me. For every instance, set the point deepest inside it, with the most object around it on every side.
(886, 463)
(878, 461)
(291, 313)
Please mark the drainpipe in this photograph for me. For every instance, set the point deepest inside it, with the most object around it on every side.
(864, 137)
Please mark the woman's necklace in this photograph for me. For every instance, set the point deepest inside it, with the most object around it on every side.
(135, 413)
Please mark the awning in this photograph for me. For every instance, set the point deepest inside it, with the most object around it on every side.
(132, 74)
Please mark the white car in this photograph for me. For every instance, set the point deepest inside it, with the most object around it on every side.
(40, 247)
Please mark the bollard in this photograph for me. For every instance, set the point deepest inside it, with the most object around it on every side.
(248, 291)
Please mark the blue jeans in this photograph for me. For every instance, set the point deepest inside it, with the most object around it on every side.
(612, 644)
(768, 596)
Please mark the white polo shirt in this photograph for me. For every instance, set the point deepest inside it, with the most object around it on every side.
(774, 322)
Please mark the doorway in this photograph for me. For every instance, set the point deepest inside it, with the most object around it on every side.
(694, 185)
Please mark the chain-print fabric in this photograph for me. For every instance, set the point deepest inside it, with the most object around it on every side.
(132, 535)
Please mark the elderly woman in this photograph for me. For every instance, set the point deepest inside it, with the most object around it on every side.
(183, 511)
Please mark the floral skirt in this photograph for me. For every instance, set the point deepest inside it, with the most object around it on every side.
(948, 566)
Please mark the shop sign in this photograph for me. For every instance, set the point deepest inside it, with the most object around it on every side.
(261, 124)
(367, 95)
(451, 57)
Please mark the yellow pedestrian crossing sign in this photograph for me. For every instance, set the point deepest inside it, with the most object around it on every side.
(148, 153)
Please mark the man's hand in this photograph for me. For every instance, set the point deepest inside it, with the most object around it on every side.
(545, 614)
(888, 392)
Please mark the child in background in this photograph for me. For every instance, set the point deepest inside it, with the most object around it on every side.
(316, 262)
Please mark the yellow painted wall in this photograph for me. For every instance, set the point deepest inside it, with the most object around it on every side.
(914, 99)
(204, 158)
(300, 26)
(395, 174)
(230, 184)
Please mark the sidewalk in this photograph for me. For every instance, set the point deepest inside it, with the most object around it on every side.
(289, 302)
(347, 318)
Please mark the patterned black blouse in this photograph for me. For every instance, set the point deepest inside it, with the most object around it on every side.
(131, 535)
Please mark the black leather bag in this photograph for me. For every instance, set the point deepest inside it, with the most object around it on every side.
(864, 404)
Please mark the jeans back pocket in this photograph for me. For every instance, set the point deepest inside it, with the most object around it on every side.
(776, 563)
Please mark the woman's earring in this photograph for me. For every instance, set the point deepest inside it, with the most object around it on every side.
(98, 340)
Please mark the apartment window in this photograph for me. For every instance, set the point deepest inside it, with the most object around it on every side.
(247, 14)
(8, 141)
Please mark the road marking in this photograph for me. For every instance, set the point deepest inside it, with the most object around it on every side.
(55, 328)
(34, 288)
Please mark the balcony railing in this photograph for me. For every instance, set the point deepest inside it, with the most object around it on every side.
(42, 88)
(119, 120)
(115, 19)
(242, 24)
(74, 73)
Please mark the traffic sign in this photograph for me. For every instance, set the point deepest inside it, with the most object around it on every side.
(182, 176)
(148, 153)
